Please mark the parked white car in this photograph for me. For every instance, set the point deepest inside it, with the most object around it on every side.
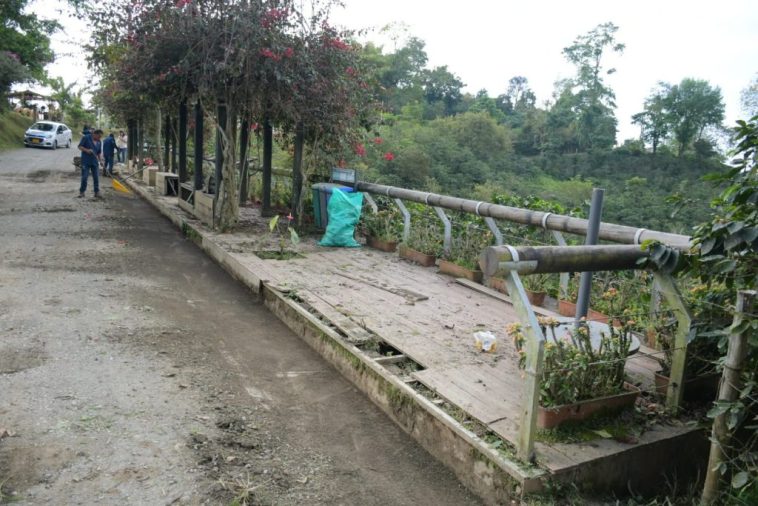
(48, 134)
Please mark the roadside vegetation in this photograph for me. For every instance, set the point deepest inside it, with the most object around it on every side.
(12, 128)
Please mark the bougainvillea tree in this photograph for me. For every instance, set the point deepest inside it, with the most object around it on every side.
(260, 60)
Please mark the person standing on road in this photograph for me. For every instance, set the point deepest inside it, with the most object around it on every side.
(121, 145)
(109, 149)
(90, 148)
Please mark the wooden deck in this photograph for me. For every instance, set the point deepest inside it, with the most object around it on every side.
(371, 296)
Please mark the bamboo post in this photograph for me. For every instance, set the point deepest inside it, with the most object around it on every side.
(728, 392)
(682, 338)
(608, 231)
(535, 349)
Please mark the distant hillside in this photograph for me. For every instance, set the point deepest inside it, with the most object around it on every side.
(12, 128)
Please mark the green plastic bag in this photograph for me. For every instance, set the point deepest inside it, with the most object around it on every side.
(344, 212)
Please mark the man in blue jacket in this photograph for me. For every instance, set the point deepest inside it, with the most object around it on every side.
(109, 150)
(90, 148)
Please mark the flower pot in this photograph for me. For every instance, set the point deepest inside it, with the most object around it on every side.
(416, 256)
(536, 298)
(453, 269)
(566, 308)
(497, 284)
(380, 244)
(548, 418)
(698, 389)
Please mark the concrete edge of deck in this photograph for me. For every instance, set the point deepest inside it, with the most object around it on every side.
(481, 468)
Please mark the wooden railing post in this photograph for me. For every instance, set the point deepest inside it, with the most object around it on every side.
(535, 349)
(682, 338)
(728, 392)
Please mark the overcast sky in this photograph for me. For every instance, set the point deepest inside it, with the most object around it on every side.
(486, 42)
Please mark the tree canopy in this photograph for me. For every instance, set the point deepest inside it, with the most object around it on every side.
(24, 44)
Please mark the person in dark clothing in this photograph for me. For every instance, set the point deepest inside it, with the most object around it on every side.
(90, 148)
(109, 149)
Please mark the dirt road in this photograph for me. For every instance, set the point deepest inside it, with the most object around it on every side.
(135, 371)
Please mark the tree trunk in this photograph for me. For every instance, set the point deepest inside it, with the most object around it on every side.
(244, 140)
(267, 155)
(227, 200)
(297, 172)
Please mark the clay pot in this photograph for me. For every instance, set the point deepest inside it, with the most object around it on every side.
(382, 245)
(548, 418)
(455, 270)
(497, 284)
(416, 256)
(536, 298)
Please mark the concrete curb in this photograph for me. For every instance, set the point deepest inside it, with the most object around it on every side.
(481, 468)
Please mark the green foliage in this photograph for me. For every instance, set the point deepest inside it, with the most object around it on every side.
(468, 241)
(725, 259)
(593, 102)
(275, 229)
(682, 112)
(385, 224)
(12, 128)
(426, 230)
(24, 44)
(574, 371)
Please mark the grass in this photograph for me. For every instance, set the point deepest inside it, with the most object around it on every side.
(623, 427)
(12, 128)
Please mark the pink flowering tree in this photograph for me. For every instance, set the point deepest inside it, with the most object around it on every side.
(259, 59)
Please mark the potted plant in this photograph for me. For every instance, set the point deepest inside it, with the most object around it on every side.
(381, 229)
(423, 245)
(579, 381)
(497, 282)
(536, 286)
(463, 259)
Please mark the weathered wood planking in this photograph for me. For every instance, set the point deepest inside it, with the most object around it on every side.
(489, 394)
(431, 319)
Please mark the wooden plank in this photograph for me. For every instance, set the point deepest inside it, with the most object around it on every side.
(401, 292)
(390, 360)
(354, 332)
(499, 296)
(461, 397)
(485, 396)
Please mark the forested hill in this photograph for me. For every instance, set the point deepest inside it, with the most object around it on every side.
(433, 136)
(471, 155)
